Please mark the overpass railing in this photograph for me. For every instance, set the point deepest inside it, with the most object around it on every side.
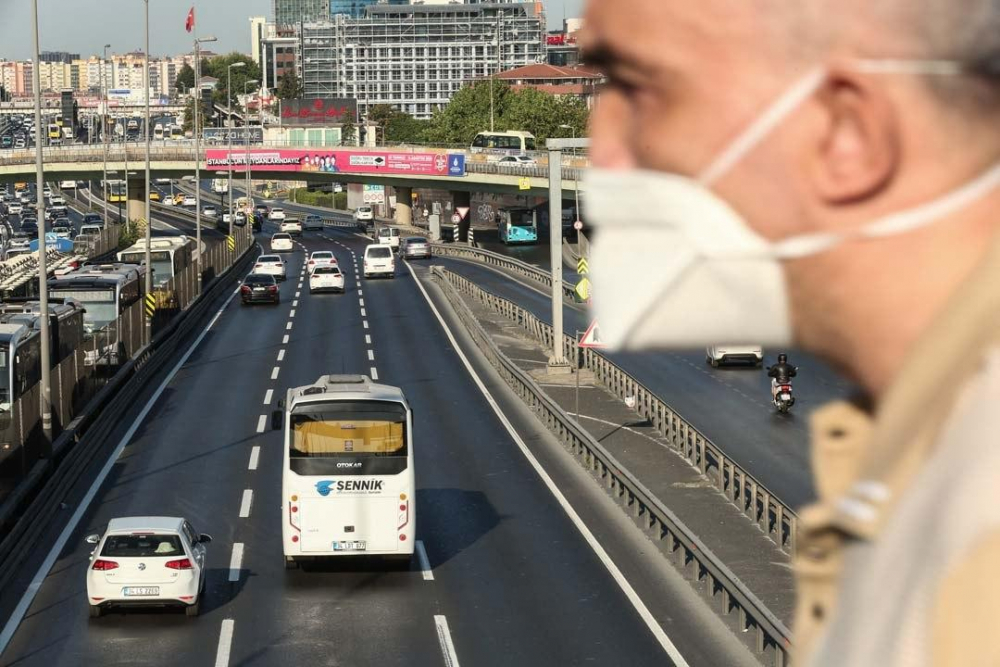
(776, 519)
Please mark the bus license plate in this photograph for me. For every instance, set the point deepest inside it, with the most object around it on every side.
(350, 546)
(139, 591)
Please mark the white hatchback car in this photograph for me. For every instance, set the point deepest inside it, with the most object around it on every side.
(291, 226)
(326, 278)
(321, 258)
(281, 243)
(364, 214)
(271, 265)
(379, 261)
(147, 561)
(276, 215)
(189, 200)
(210, 211)
(718, 355)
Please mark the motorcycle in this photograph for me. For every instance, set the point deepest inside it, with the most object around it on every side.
(783, 399)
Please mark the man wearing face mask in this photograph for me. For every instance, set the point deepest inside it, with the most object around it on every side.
(828, 173)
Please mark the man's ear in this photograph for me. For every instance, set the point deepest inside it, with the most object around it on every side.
(859, 151)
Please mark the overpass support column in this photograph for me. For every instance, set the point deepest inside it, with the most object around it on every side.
(404, 206)
(136, 199)
(463, 200)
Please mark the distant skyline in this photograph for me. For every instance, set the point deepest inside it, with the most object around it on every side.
(85, 26)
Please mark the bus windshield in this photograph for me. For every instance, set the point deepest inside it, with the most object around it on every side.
(100, 308)
(325, 434)
(160, 260)
(522, 219)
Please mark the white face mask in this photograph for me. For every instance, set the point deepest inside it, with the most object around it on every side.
(674, 266)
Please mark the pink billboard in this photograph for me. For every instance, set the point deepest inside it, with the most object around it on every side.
(336, 161)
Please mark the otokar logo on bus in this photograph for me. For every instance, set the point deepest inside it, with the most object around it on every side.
(326, 486)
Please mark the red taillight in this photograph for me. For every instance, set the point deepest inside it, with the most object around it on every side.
(245, 289)
(181, 564)
(312, 261)
(104, 565)
(272, 288)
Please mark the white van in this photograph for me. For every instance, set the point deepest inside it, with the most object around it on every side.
(379, 261)
(389, 236)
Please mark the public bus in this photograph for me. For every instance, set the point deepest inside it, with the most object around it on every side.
(117, 192)
(168, 256)
(220, 186)
(517, 225)
(106, 291)
(347, 483)
(21, 344)
(176, 132)
(158, 132)
(55, 133)
(503, 143)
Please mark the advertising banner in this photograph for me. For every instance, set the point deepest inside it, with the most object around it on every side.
(336, 161)
(318, 111)
(220, 135)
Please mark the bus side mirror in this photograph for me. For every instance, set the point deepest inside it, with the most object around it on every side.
(276, 420)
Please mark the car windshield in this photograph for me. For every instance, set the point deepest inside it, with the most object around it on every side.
(258, 279)
(142, 546)
(269, 258)
(327, 270)
(416, 240)
(323, 254)
(281, 237)
(277, 210)
(380, 253)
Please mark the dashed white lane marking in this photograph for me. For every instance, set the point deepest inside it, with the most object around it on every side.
(444, 638)
(365, 322)
(368, 339)
(254, 457)
(288, 327)
(371, 355)
(245, 504)
(292, 314)
(225, 643)
(295, 303)
(425, 564)
(236, 562)
(374, 373)
(363, 313)
(267, 396)
(361, 302)
(298, 294)
(274, 372)
(281, 355)
(284, 340)
(261, 423)
(360, 292)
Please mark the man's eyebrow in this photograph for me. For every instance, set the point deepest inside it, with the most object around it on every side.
(606, 58)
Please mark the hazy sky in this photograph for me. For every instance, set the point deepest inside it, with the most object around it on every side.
(85, 26)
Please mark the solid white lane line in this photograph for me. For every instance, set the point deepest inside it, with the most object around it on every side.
(225, 643)
(371, 355)
(444, 638)
(261, 423)
(281, 355)
(288, 327)
(374, 373)
(36, 582)
(267, 396)
(236, 562)
(292, 314)
(363, 313)
(284, 340)
(254, 457)
(365, 322)
(368, 339)
(425, 563)
(274, 372)
(668, 646)
(245, 505)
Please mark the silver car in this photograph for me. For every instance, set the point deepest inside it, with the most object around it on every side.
(415, 247)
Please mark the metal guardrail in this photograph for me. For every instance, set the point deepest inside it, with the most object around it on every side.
(772, 637)
(462, 251)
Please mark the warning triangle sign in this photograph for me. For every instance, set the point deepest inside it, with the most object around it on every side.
(462, 211)
(592, 339)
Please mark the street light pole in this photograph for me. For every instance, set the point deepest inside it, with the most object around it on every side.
(104, 133)
(229, 122)
(45, 399)
(149, 221)
(197, 150)
(246, 137)
(576, 192)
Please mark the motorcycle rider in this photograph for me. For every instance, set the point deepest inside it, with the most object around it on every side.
(781, 373)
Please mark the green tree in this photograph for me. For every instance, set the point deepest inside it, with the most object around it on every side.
(185, 79)
(218, 67)
(289, 87)
(348, 129)
(188, 125)
(395, 126)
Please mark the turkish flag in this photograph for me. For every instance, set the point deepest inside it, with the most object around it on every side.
(189, 23)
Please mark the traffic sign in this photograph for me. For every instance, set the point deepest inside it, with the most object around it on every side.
(578, 225)
(524, 183)
(456, 218)
(583, 289)
(462, 211)
(231, 243)
(582, 267)
(592, 338)
(150, 305)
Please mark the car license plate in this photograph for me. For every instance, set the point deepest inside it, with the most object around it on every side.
(359, 545)
(140, 591)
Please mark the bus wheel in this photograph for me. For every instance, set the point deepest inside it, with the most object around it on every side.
(291, 563)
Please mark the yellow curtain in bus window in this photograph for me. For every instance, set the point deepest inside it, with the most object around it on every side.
(325, 438)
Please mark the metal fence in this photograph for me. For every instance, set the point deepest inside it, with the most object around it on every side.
(771, 638)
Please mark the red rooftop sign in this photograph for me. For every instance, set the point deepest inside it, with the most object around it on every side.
(318, 111)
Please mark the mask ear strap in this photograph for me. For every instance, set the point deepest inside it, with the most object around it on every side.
(764, 125)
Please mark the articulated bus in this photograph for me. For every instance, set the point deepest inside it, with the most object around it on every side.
(347, 483)
(168, 256)
(21, 344)
(517, 225)
(105, 291)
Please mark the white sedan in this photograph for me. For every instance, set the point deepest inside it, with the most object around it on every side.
(326, 278)
(147, 561)
(719, 355)
(321, 258)
(189, 200)
(517, 161)
(209, 211)
(276, 215)
(281, 243)
(271, 265)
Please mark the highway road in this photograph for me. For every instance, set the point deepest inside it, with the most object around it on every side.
(511, 578)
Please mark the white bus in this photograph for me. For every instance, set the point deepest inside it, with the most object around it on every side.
(503, 143)
(347, 484)
(169, 255)
(220, 186)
